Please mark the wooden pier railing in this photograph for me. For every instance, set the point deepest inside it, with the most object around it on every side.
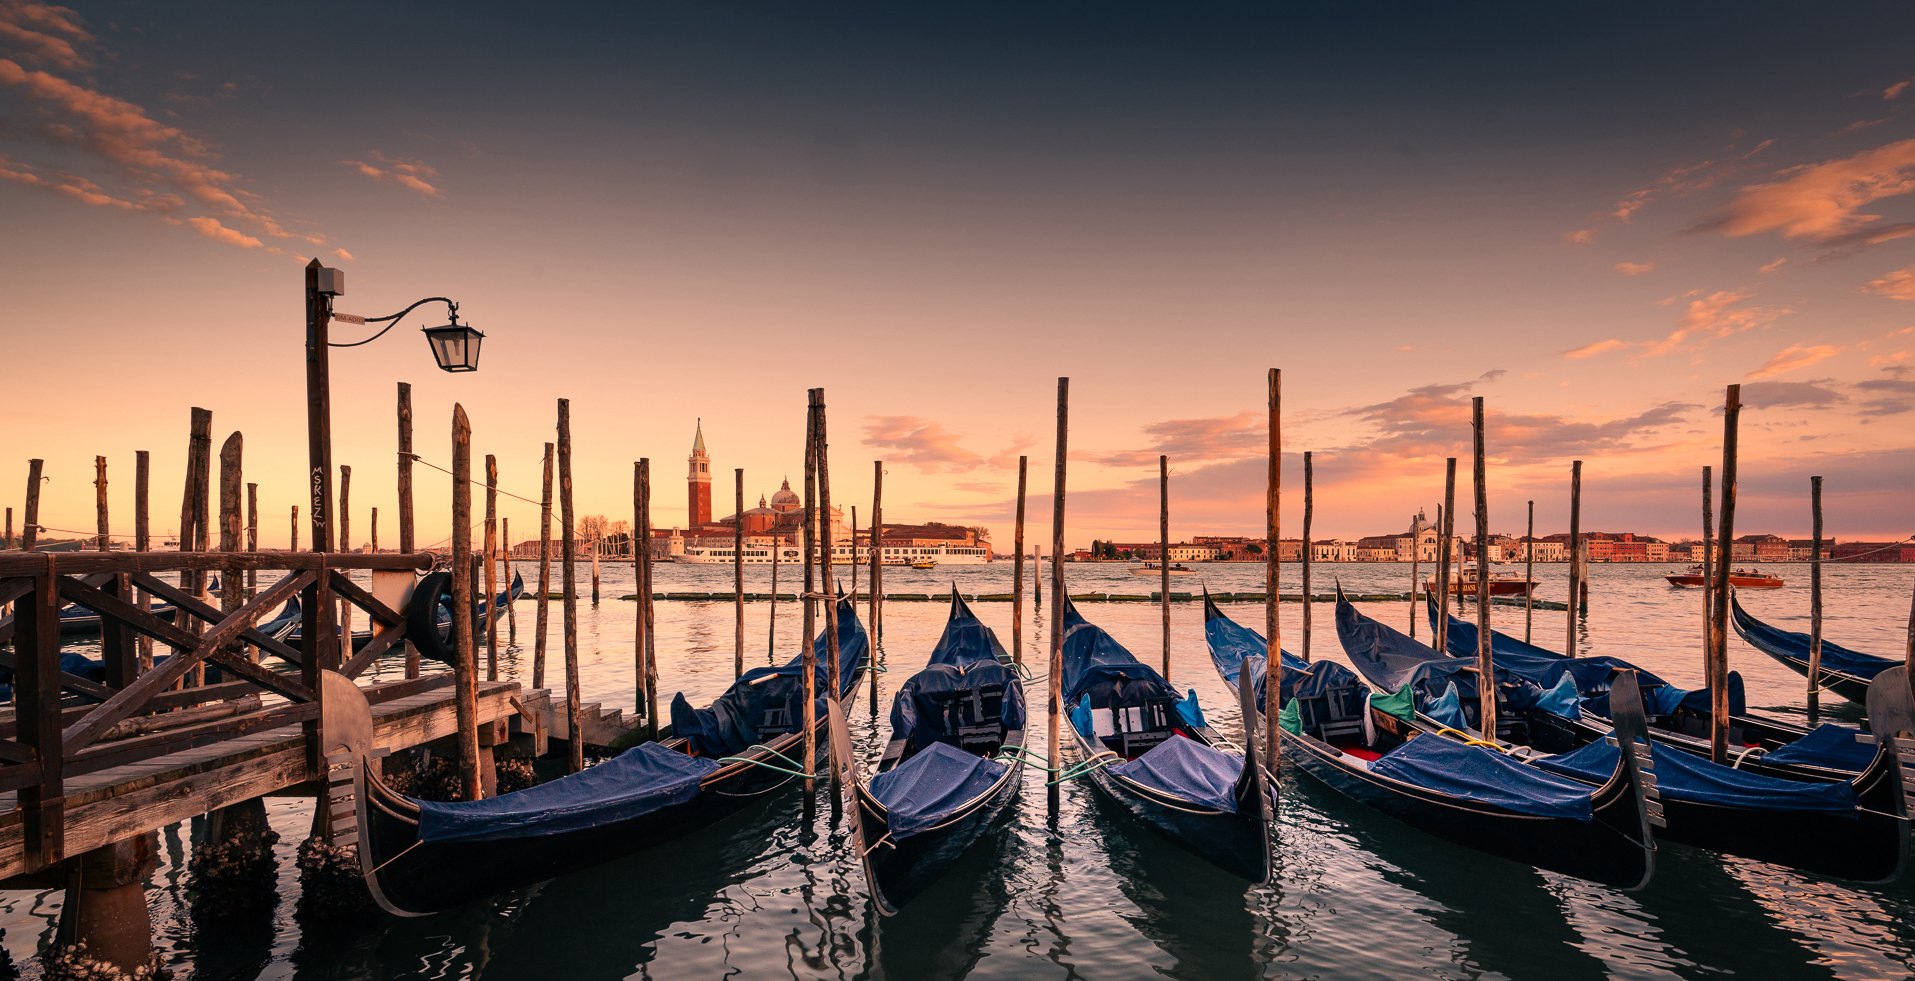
(63, 725)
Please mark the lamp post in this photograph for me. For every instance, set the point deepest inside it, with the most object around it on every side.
(455, 347)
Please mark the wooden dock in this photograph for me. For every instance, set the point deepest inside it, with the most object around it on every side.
(120, 802)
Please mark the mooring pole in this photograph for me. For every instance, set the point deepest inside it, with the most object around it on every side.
(648, 611)
(877, 576)
(1273, 596)
(1529, 572)
(1815, 600)
(1719, 673)
(1309, 514)
(143, 536)
(103, 539)
(1056, 685)
(1017, 569)
(1163, 551)
(1446, 556)
(1708, 573)
(809, 652)
(406, 542)
(545, 574)
(345, 545)
(491, 567)
(833, 675)
(575, 726)
(30, 530)
(1416, 556)
(465, 671)
(1485, 663)
(738, 577)
(505, 572)
(771, 617)
(1575, 553)
(877, 566)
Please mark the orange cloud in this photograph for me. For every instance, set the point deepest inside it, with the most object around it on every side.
(1599, 347)
(406, 173)
(1793, 357)
(1898, 285)
(1719, 314)
(1823, 202)
(919, 442)
(157, 166)
(1895, 91)
(1581, 236)
(1770, 268)
(45, 33)
(211, 228)
(342, 254)
(1188, 441)
(1635, 268)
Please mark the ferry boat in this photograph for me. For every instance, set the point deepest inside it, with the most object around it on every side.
(1469, 579)
(1740, 578)
(938, 554)
(924, 564)
(843, 553)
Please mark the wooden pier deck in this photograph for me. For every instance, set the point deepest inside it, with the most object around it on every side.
(119, 802)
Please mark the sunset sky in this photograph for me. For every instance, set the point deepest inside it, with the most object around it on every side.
(1595, 216)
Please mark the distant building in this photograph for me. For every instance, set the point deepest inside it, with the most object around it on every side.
(1873, 552)
(1761, 548)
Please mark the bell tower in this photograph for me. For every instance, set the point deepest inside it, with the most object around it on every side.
(698, 481)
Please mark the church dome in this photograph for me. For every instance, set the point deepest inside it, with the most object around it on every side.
(785, 500)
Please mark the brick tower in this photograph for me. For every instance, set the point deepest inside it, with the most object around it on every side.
(698, 481)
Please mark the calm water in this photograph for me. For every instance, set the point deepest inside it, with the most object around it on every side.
(1095, 896)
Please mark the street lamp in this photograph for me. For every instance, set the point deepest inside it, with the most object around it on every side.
(455, 347)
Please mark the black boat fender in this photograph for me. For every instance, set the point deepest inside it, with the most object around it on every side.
(422, 617)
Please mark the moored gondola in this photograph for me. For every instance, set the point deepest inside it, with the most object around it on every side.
(1677, 717)
(951, 768)
(1364, 747)
(1844, 672)
(421, 857)
(1851, 829)
(1150, 751)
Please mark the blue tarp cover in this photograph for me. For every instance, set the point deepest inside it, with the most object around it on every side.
(1233, 645)
(919, 713)
(926, 788)
(1191, 712)
(1562, 700)
(1391, 659)
(1591, 675)
(730, 723)
(964, 662)
(1827, 745)
(1193, 772)
(639, 781)
(1686, 777)
(1478, 774)
(1776, 642)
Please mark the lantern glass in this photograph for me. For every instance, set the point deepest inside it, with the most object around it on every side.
(455, 346)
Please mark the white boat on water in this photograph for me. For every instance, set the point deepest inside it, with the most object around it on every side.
(759, 552)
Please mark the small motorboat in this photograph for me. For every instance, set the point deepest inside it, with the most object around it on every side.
(1739, 578)
(925, 563)
(1157, 569)
(1470, 579)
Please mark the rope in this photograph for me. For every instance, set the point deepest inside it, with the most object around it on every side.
(1092, 765)
(1028, 758)
(780, 769)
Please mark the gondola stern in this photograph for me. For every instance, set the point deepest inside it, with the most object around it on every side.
(1891, 716)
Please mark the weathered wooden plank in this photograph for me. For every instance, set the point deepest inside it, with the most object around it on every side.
(192, 605)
